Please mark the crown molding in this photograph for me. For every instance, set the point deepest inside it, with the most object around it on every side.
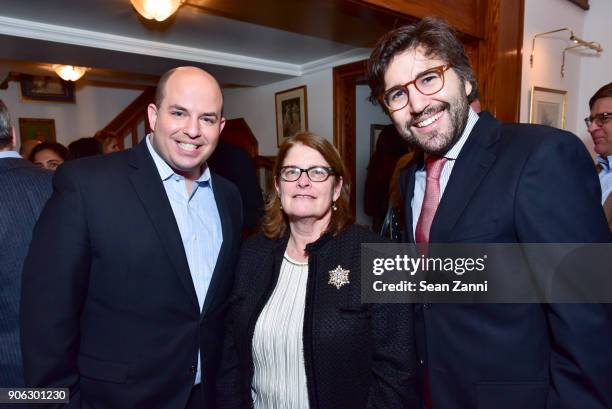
(87, 38)
(75, 36)
(356, 54)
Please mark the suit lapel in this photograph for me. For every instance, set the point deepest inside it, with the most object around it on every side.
(227, 239)
(473, 163)
(408, 181)
(150, 190)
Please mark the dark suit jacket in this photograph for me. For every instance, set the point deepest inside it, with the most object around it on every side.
(24, 189)
(515, 183)
(235, 164)
(109, 308)
(356, 355)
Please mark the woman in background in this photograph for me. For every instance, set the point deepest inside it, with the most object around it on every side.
(298, 334)
(49, 155)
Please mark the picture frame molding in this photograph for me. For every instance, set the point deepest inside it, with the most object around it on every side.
(375, 130)
(28, 94)
(552, 94)
(24, 123)
(281, 96)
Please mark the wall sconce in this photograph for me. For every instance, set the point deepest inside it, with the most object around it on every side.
(579, 42)
(158, 10)
(70, 72)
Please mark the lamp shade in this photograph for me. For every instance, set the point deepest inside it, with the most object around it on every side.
(69, 72)
(156, 9)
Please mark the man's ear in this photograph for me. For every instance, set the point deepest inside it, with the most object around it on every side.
(468, 87)
(152, 114)
(14, 136)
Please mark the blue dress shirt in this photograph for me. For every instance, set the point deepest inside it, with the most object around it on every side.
(199, 224)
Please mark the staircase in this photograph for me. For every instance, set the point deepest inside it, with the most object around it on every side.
(132, 124)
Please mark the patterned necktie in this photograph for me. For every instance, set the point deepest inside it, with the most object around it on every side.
(434, 166)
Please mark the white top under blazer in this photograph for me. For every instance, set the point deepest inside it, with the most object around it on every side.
(279, 380)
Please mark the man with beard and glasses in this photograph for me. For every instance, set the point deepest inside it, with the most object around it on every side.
(481, 181)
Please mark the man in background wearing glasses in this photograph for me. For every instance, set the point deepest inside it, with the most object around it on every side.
(481, 181)
(599, 125)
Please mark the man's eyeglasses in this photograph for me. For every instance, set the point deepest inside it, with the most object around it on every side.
(599, 119)
(427, 83)
(315, 173)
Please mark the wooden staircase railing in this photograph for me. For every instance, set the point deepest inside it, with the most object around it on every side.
(126, 123)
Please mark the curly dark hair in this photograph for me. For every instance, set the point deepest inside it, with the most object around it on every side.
(435, 36)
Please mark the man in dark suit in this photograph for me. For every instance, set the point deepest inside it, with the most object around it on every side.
(24, 189)
(486, 182)
(125, 285)
(599, 124)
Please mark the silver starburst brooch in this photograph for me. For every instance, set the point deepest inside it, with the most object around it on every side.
(338, 277)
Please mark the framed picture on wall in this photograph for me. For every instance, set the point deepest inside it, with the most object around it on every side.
(37, 128)
(548, 107)
(375, 130)
(291, 112)
(42, 88)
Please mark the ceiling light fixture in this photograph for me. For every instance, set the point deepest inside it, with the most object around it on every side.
(158, 10)
(579, 42)
(70, 72)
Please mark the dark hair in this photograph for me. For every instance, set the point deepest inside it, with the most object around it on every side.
(274, 224)
(105, 138)
(438, 40)
(58, 148)
(84, 147)
(6, 127)
(603, 92)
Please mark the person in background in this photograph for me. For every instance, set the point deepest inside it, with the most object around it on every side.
(599, 125)
(84, 147)
(235, 164)
(482, 181)
(109, 141)
(49, 155)
(26, 147)
(24, 189)
(390, 146)
(298, 334)
(132, 262)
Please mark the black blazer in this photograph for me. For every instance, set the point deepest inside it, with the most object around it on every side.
(109, 308)
(356, 355)
(516, 183)
(24, 189)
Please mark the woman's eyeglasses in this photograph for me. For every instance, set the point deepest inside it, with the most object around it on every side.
(315, 173)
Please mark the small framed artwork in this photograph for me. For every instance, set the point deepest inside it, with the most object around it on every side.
(40, 88)
(291, 112)
(375, 130)
(548, 107)
(37, 128)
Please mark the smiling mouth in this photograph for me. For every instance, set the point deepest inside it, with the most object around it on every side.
(428, 121)
(303, 197)
(188, 146)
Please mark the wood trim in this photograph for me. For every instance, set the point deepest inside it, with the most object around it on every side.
(345, 78)
(583, 4)
(500, 59)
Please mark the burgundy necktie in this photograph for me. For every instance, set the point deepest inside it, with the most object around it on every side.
(433, 166)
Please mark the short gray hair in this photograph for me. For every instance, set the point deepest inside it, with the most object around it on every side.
(6, 127)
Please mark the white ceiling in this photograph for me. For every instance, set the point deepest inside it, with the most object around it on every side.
(108, 34)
